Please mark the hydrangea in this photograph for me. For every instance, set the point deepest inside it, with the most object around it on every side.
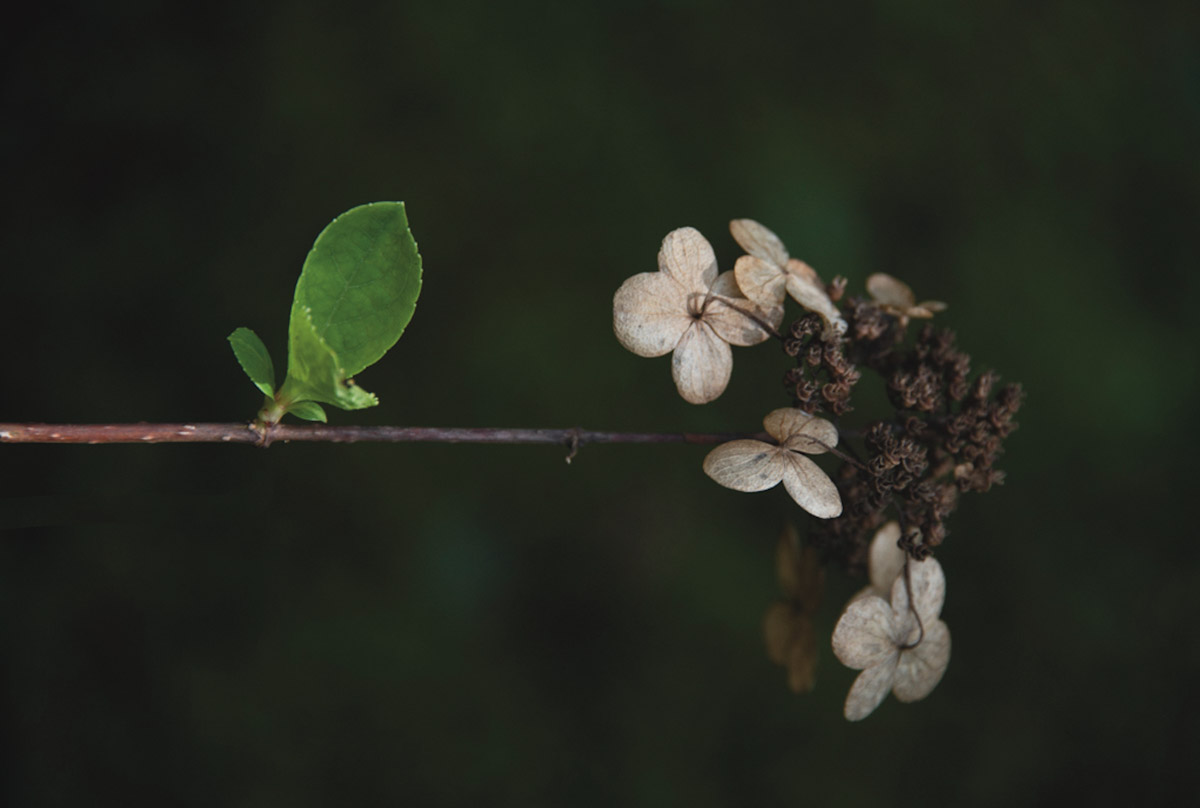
(754, 465)
(767, 274)
(686, 309)
(902, 646)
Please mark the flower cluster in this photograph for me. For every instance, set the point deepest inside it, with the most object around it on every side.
(943, 439)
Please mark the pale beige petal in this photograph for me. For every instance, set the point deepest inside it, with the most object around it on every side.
(726, 286)
(890, 291)
(921, 668)
(811, 296)
(787, 560)
(777, 631)
(811, 487)
(802, 656)
(869, 690)
(738, 321)
(702, 364)
(926, 309)
(928, 589)
(804, 272)
(885, 561)
(746, 465)
(688, 258)
(863, 634)
(761, 281)
(774, 315)
(795, 429)
(650, 314)
(801, 574)
(759, 241)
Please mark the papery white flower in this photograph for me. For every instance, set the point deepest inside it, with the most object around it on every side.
(894, 649)
(895, 297)
(752, 465)
(885, 561)
(768, 273)
(688, 309)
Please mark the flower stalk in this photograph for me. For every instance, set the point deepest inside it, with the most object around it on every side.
(319, 433)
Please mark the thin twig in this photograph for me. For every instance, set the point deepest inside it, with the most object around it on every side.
(246, 433)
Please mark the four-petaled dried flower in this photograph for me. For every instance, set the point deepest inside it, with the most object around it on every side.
(767, 274)
(894, 297)
(752, 465)
(788, 624)
(903, 646)
(688, 309)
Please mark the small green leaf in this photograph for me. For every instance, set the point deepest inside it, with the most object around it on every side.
(315, 372)
(361, 282)
(308, 410)
(254, 358)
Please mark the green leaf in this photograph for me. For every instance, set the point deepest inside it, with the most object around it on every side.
(360, 282)
(315, 372)
(254, 358)
(308, 410)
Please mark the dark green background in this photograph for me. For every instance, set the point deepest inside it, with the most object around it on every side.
(325, 625)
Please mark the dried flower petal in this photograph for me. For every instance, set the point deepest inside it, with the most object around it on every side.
(687, 257)
(928, 584)
(799, 431)
(761, 281)
(870, 689)
(811, 487)
(863, 635)
(746, 465)
(701, 365)
(650, 314)
(921, 668)
(889, 291)
(801, 574)
(886, 560)
(777, 631)
(735, 318)
(758, 241)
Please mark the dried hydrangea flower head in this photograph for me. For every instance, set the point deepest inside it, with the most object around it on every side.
(894, 297)
(767, 273)
(902, 647)
(690, 311)
(788, 625)
(753, 465)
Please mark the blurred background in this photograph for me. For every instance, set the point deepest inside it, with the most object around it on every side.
(444, 625)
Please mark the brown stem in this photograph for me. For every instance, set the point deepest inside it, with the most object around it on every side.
(243, 433)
